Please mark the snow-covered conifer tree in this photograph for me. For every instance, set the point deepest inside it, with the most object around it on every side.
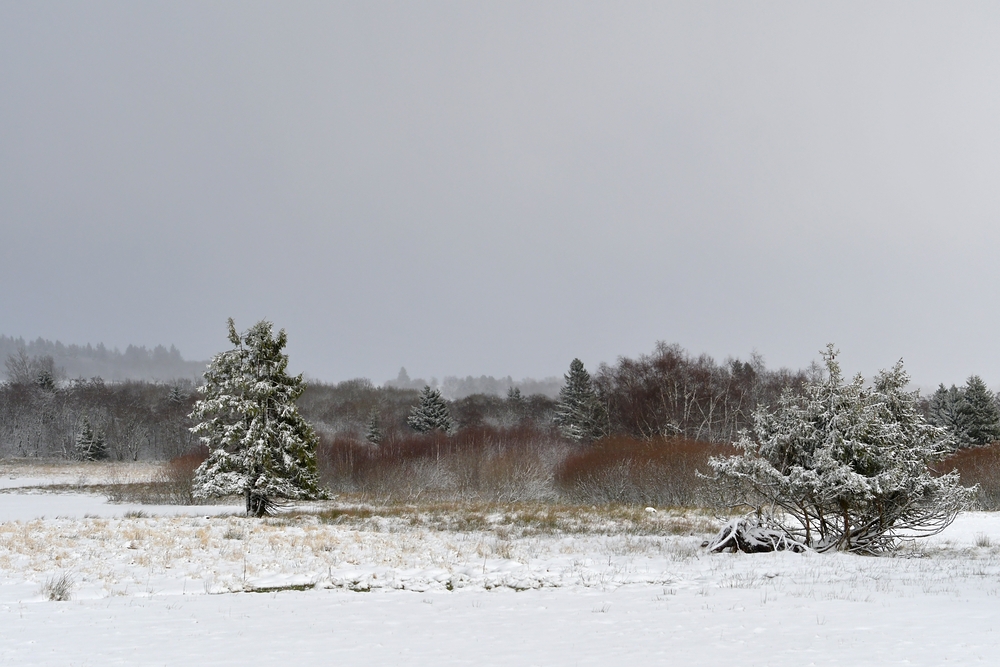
(845, 466)
(980, 418)
(176, 396)
(578, 412)
(259, 445)
(373, 433)
(431, 413)
(945, 410)
(90, 445)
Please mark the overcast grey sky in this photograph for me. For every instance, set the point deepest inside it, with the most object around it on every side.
(496, 188)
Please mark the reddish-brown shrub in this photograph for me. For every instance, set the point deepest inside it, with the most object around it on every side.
(651, 472)
(978, 465)
(180, 474)
(181, 468)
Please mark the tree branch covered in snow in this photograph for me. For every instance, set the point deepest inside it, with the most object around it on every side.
(259, 445)
(845, 466)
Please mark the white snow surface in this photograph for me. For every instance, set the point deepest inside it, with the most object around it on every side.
(172, 588)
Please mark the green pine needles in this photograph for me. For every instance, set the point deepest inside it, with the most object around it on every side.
(970, 413)
(259, 445)
(578, 414)
(431, 413)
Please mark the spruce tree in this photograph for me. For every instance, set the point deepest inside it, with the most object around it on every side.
(980, 419)
(431, 413)
(373, 433)
(578, 412)
(945, 410)
(259, 445)
(515, 406)
(90, 445)
(176, 396)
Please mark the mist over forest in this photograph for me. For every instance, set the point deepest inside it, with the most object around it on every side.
(161, 364)
(167, 365)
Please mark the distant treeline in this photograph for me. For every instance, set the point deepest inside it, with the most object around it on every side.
(163, 364)
(650, 424)
(666, 394)
(139, 420)
(88, 361)
(453, 387)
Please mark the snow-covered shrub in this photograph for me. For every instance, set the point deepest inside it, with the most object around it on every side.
(845, 466)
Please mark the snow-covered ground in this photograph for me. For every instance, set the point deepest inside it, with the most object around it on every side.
(166, 589)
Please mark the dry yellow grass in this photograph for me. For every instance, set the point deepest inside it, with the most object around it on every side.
(80, 473)
(127, 554)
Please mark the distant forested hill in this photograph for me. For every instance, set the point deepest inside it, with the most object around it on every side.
(88, 361)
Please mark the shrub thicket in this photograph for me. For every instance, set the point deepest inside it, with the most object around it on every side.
(661, 472)
(978, 465)
(482, 463)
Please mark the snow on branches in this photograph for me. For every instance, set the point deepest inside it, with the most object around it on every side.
(259, 445)
(845, 466)
(578, 413)
(431, 413)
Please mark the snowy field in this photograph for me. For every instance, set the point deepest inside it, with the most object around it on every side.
(166, 585)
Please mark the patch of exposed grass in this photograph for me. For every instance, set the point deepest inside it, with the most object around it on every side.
(523, 519)
(233, 533)
(336, 515)
(278, 589)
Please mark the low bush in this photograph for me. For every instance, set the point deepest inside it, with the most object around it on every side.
(660, 472)
(522, 463)
(172, 486)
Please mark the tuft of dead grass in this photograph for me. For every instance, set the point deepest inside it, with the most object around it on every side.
(59, 588)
